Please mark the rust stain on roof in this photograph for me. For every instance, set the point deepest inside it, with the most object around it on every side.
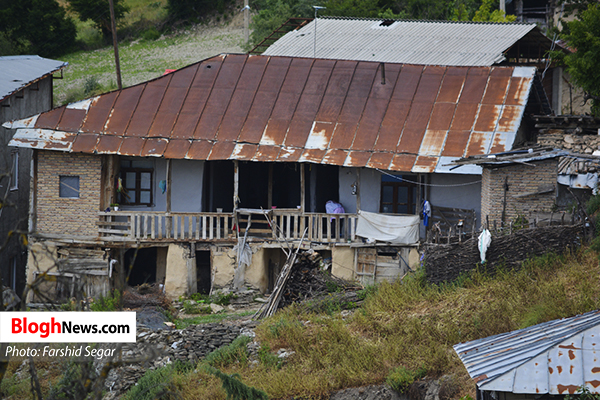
(199, 150)
(108, 144)
(154, 147)
(85, 143)
(299, 109)
(132, 146)
(177, 148)
(266, 153)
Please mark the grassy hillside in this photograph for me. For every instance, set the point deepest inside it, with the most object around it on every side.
(409, 325)
(144, 53)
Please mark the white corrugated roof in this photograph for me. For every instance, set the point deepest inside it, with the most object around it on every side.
(411, 42)
(556, 357)
(19, 71)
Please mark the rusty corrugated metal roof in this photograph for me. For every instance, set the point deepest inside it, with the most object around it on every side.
(297, 109)
(555, 357)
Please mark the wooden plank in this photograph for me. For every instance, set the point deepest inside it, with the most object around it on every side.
(328, 222)
(197, 225)
(288, 227)
(152, 227)
(204, 227)
(211, 227)
(113, 231)
(218, 218)
(296, 226)
(112, 223)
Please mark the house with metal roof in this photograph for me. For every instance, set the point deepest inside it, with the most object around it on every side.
(254, 147)
(444, 43)
(25, 89)
(553, 358)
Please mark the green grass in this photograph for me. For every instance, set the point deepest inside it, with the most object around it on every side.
(206, 319)
(402, 330)
(145, 50)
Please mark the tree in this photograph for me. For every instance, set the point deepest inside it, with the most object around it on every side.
(485, 14)
(582, 64)
(98, 11)
(35, 27)
(195, 9)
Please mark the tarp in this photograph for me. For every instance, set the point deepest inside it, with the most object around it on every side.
(388, 228)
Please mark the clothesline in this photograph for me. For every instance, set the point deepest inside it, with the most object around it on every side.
(426, 184)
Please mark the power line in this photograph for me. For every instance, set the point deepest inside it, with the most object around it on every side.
(426, 184)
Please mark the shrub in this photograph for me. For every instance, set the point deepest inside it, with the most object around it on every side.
(109, 303)
(155, 384)
(232, 353)
(400, 378)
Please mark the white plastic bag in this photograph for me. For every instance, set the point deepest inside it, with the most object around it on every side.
(485, 239)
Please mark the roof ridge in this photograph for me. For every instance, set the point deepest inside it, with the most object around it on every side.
(427, 21)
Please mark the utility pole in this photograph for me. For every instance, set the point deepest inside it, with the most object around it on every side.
(317, 8)
(113, 27)
(246, 21)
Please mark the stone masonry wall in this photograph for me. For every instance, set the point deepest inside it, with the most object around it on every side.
(68, 216)
(559, 139)
(522, 180)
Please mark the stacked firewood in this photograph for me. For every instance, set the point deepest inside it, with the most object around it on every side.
(310, 278)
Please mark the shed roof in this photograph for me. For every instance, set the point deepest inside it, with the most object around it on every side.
(413, 42)
(555, 357)
(17, 72)
(259, 108)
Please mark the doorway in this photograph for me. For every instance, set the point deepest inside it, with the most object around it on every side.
(203, 272)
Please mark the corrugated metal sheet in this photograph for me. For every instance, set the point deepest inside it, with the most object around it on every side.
(555, 357)
(17, 72)
(410, 42)
(309, 110)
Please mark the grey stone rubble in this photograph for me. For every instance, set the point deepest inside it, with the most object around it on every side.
(155, 349)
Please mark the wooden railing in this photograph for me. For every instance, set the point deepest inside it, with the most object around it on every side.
(321, 227)
(151, 226)
(148, 226)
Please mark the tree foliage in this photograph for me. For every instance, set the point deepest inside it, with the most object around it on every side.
(35, 27)
(195, 9)
(582, 64)
(98, 11)
(487, 13)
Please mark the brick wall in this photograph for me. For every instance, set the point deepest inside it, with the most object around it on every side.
(68, 216)
(522, 180)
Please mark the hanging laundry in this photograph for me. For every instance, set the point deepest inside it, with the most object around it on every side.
(426, 213)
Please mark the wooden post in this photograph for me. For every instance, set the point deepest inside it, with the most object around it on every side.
(113, 27)
(357, 189)
(168, 219)
(236, 199)
(302, 189)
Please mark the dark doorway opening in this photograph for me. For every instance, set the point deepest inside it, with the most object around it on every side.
(140, 266)
(203, 272)
(218, 186)
(322, 185)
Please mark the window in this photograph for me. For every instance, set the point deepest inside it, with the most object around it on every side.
(398, 196)
(14, 171)
(69, 187)
(136, 182)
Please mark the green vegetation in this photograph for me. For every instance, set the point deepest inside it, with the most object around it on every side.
(584, 35)
(112, 302)
(401, 378)
(206, 319)
(35, 27)
(233, 353)
(155, 384)
(98, 12)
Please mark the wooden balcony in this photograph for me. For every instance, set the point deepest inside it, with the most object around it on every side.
(136, 226)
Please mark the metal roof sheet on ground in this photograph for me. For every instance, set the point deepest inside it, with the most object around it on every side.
(402, 41)
(259, 108)
(17, 72)
(556, 357)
